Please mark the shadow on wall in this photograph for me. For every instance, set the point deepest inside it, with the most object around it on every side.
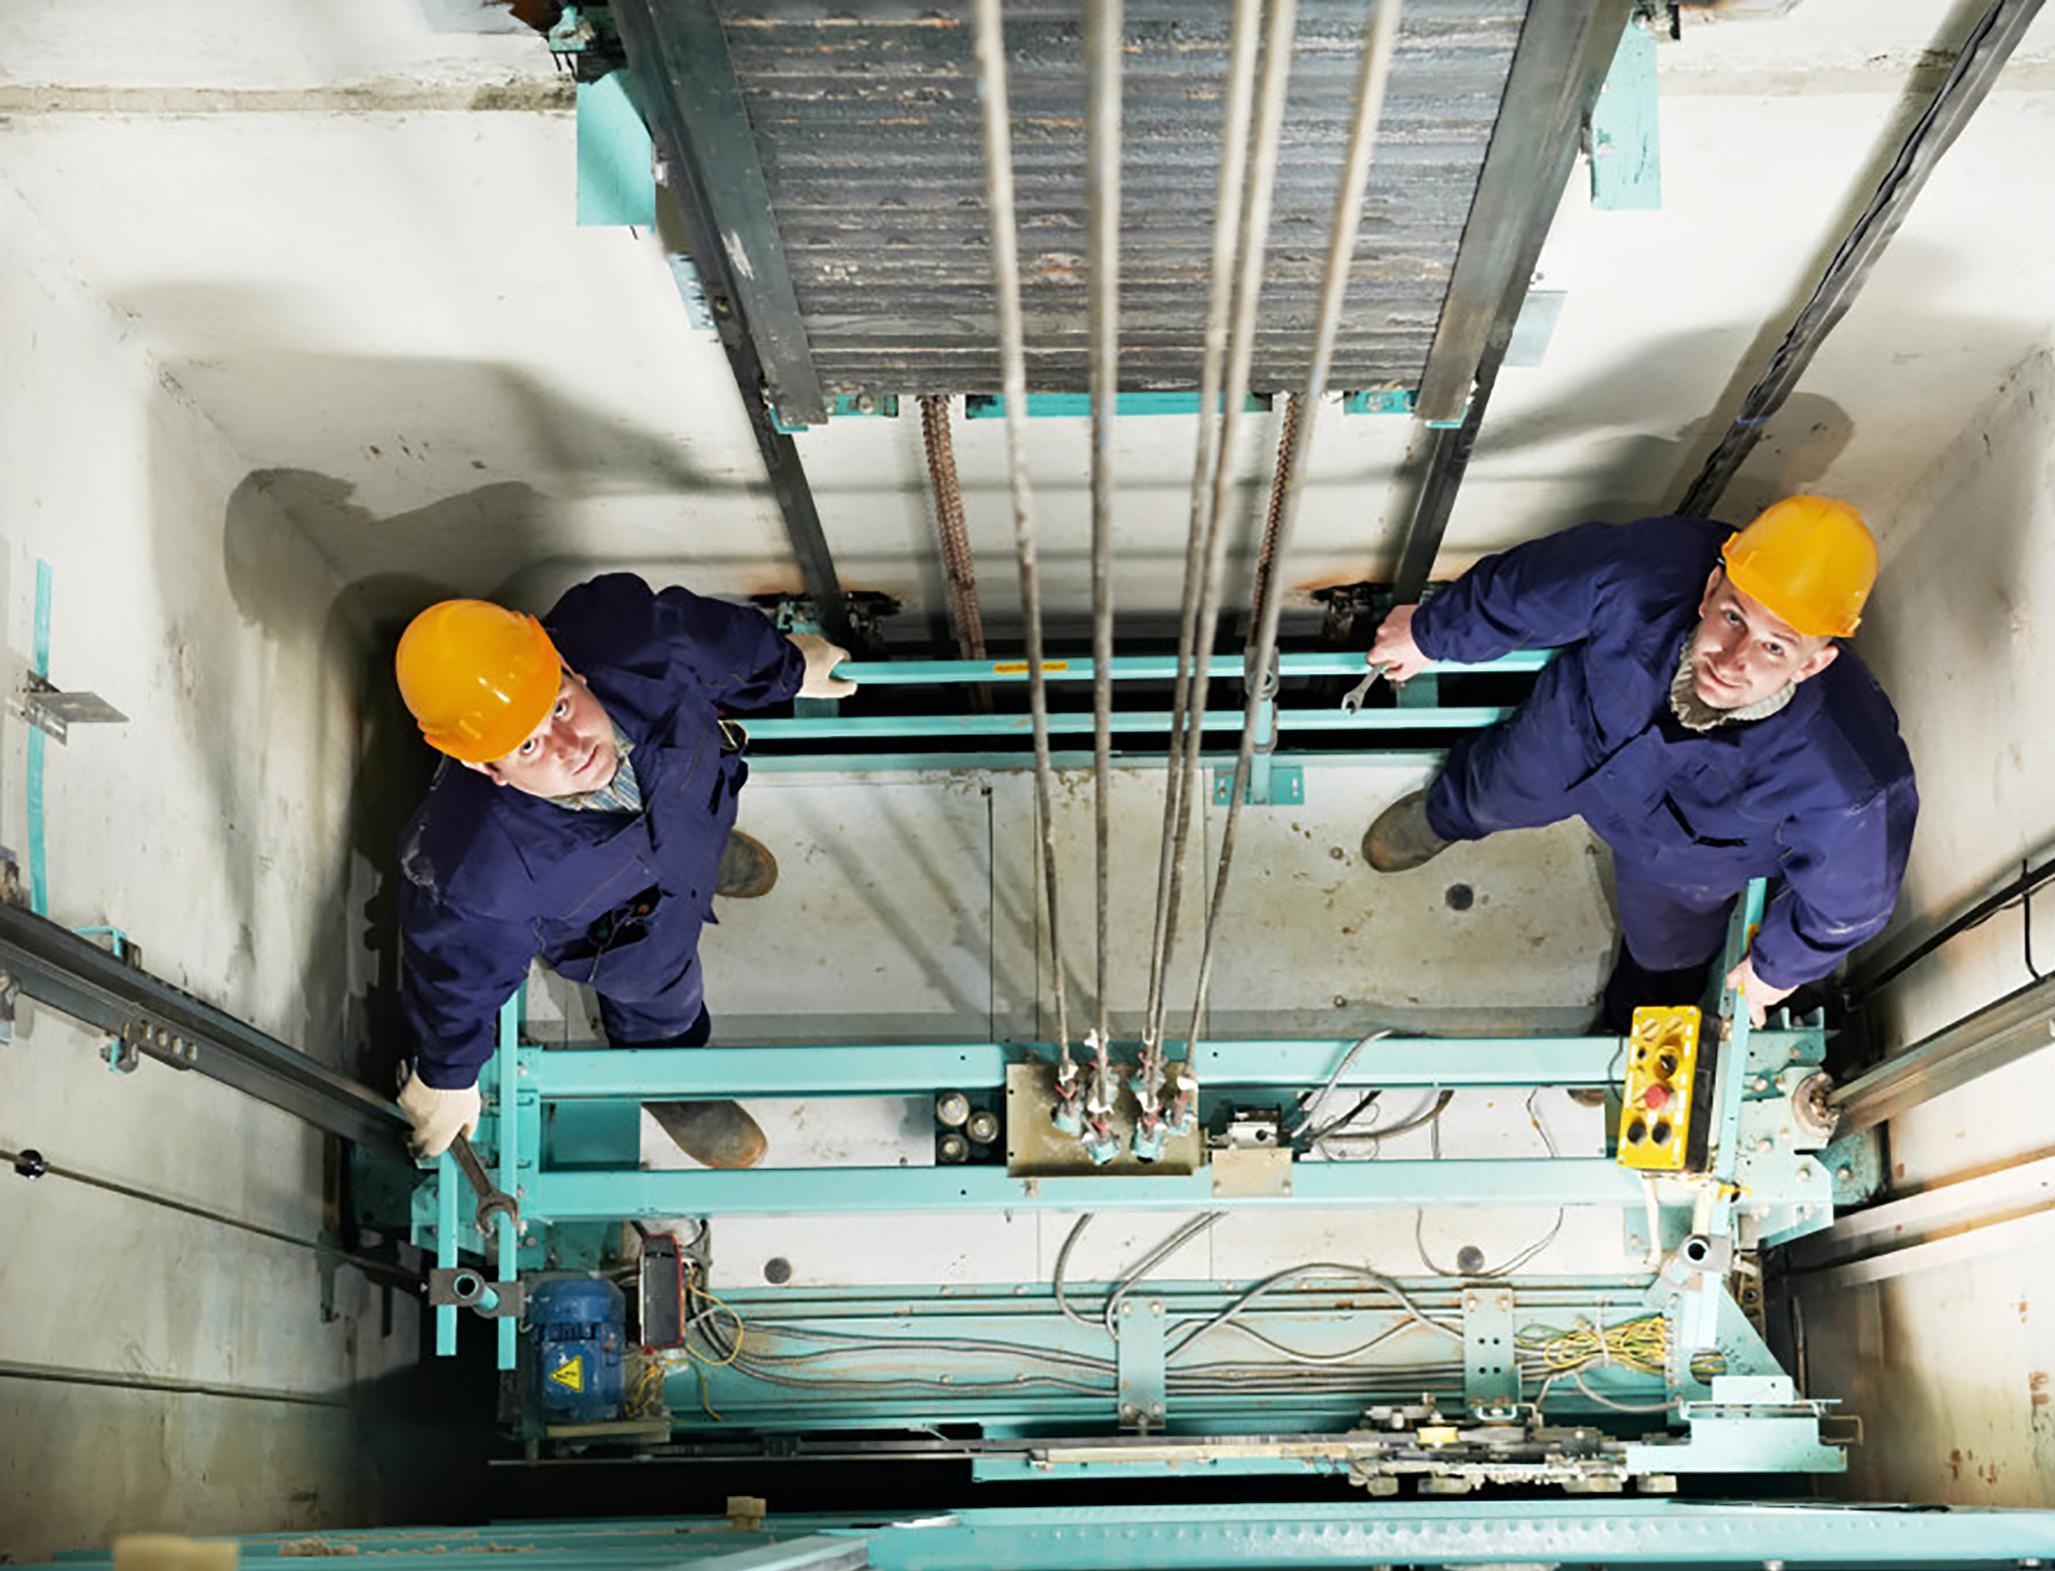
(1646, 472)
(352, 964)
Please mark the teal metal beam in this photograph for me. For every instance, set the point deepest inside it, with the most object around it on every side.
(39, 857)
(886, 763)
(1158, 668)
(1623, 1535)
(657, 1074)
(1370, 720)
(1626, 143)
(613, 1196)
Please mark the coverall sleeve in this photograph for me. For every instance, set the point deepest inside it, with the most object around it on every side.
(1541, 595)
(736, 652)
(458, 968)
(1841, 871)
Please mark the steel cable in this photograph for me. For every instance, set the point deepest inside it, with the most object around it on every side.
(1191, 684)
(1102, 203)
(998, 160)
(1373, 72)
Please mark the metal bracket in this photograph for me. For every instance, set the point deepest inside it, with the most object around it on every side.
(464, 1287)
(1140, 1353)
(845, 406)
(54, 712)
(1286, 787)
(1491, 1371)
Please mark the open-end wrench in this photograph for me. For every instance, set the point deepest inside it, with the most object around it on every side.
(491, 1198)
(1352, 700)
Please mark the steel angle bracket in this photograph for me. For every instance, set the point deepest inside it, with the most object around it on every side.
(1491, 1371)
(1140, 1364)
(54, 712)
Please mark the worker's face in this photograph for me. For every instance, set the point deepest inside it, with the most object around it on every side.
(572, 751)
(1741, 654)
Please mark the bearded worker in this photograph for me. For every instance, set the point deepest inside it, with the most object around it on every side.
(1701, 718)
(583, 815)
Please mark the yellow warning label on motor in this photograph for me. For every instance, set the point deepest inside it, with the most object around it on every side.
(1020, 667)
(569, 1375)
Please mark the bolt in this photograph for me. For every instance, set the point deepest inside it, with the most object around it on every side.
(1127, 1410)
(1155, 1306)
(1844, 1172)
(866, 403)
(1127, 1308)
(30, 1164)
(1155, 1409)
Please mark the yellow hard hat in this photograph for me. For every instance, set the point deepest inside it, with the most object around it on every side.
(1809, 560)
(478, 677)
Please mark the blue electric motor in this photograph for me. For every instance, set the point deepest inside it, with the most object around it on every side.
(577, 1330)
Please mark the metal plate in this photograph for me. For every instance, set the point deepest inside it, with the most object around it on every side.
(1249, 1170)
(1036, 1148)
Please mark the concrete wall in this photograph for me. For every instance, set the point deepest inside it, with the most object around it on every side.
(215, 828)
(465, 389)
(1951, 1364)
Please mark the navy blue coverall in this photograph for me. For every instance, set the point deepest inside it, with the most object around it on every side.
(1818, 796)
(495, 877)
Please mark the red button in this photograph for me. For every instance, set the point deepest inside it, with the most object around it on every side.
(1656, 1097)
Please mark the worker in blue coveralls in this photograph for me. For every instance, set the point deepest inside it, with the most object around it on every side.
(585, 814)
(1700, 718)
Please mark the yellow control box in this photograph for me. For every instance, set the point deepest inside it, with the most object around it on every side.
(1661, 1094)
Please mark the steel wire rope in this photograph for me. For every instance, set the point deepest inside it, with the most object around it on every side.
(1279, 35)
(998, 161)
(1103, 20)
(1373, 71)
(1237, 99)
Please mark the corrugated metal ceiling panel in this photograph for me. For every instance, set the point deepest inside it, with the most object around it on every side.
(865, 116)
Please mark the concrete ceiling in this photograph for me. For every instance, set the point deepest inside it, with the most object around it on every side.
(346, 232)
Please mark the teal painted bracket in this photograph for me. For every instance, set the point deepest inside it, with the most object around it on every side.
(616, 159)
(846, 406)
(1626, 148)
(699, 311)
(447, 1183)
(1378, 401)
(39, 858)
(1139, 1363)
(1855, 1165)
(1286, 787)
(1074, 406)
(501, 1072)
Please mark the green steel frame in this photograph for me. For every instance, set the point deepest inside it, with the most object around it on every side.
(561, 1131)
(1622, 1535)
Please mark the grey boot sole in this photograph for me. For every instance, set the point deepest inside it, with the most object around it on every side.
(718, 1134)
(748, 871)
(1400, 839)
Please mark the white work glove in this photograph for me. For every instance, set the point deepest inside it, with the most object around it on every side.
(821, 659)
(437, 1114)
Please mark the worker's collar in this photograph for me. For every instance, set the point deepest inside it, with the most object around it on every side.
(621, 794)
(1695, 714)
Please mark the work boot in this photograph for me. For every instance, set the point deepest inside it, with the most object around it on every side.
(747, 870)
(717, 1134)
(1400, 838)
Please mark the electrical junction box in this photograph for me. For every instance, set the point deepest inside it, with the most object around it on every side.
(1666, 1085)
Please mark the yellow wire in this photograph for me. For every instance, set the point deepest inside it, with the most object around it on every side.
(1642, 1345)
(741, 1328)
